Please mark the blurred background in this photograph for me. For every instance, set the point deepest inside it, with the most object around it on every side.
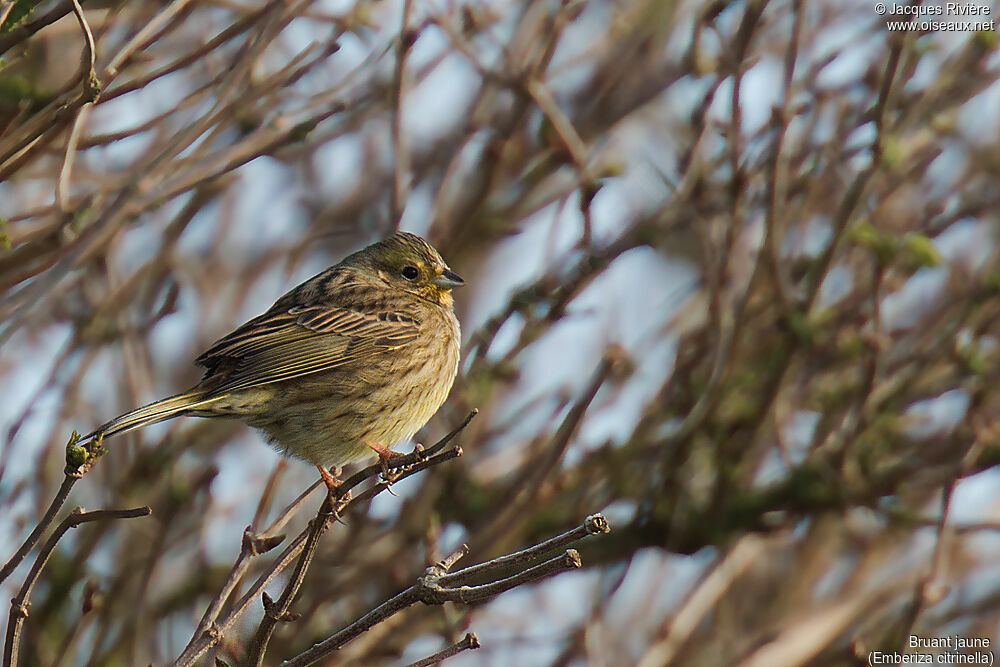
(732, 280)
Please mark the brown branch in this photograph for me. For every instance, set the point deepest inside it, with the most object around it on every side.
(852, 198)
(926, 593)
(525, 489)
(210, 632)
(563, 127)
(5, 8)
(140, 38)
(401, 180)
(329, 510)
(703, 598)
(275, 611)
(433, 589)
(36, 534)
(19, 605)
(251, 546)
(78, 461)
(777, 184)
(88, 38)
(91, 91)
(434, 593)
(18, 35)
(66, 173)
(594, 524)
(244, 24)
(469, 641)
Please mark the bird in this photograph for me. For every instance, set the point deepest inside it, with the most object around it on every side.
(341, 368)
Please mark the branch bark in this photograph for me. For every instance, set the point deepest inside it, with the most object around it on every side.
(19, 604)
(437, 586)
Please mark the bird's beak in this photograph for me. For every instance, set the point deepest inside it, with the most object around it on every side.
(449, 280)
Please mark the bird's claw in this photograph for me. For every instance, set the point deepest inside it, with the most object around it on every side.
(331, 480)
(385, 457)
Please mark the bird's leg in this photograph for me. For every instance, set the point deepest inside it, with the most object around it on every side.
(385, 455)
(331, 480)
(333, 483)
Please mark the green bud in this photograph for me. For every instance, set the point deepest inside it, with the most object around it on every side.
(919, 251)
(76, 455)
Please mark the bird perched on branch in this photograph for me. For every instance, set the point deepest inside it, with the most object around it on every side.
(339, 369)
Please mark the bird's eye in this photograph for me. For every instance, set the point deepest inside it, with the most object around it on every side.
(410, 272)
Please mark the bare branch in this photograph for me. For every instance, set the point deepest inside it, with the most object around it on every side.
(19, 605)
(595, 524)
(431, 588)
(469, 641)
(302, 548)
(79, 460)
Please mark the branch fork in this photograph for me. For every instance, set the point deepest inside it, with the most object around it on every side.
(438, 585)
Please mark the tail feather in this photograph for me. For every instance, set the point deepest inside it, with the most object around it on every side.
(155, 412)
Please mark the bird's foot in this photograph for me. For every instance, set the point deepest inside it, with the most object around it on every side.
(333, 495)
(385, 458)
(332, 480)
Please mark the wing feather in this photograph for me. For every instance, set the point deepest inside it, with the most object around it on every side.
(292, 342)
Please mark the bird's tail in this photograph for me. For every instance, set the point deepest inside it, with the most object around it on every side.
(155, 412)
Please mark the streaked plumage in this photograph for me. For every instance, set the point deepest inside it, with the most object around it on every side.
(359, 356)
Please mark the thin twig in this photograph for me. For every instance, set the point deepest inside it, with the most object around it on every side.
(563, 127)
(410, 459)
(268, 494)
(91, 91)
(17, 35)
(275, 611)
(924, 594)
(401, 180)
(286, 514)
(66, 173)
(162, 18)
(533, 479)
(434, 593)
(5, 7)
(40, 528)
(252, 545)
(19, 605)
(703, 598)
(210, 631)
(853, 196)
(78, 461)
(777, 184)
(593, 525)
(197, 647)
(237, 28)
(89, 38)
(431, 588)
(469, 641)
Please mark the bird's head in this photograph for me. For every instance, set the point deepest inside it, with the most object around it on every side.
(408, 263)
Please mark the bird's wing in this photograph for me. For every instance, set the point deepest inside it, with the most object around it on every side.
(288, 343)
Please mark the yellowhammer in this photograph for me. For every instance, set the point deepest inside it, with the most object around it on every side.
(342, 367)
